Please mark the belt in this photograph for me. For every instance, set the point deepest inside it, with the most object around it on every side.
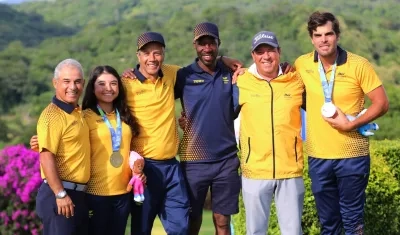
(72, 186)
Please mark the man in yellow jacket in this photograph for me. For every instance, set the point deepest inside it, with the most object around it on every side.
(271, 146)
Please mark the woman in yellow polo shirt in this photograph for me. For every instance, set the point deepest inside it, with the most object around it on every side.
(112, 127)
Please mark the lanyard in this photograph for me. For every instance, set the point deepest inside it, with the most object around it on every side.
(327, 86)
(115, 134)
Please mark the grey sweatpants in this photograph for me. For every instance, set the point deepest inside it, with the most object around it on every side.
(257, 198)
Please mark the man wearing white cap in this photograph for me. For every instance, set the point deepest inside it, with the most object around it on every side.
(271, 147)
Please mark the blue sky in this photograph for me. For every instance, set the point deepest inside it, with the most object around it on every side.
(12, 1)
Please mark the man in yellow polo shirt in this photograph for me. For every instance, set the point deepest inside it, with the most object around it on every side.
(150, 98)
(336, 82)
(63, 137)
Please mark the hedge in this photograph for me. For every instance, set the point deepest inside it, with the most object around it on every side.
(390, 151)
(382, 212)
(20, 178)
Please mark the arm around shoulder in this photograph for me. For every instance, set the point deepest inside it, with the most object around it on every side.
(179, 83)
(235, 97)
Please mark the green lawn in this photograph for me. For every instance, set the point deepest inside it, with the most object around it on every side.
(207, 227)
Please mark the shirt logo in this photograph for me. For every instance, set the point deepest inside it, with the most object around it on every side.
(141, 92)
(341, 74)
(287, 96)
(99, 120)
(255, 95)
(164, 85)
(309, 71)
(225, 80)
(198, 81)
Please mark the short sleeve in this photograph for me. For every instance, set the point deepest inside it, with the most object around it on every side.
(367, 77)
(49, 131)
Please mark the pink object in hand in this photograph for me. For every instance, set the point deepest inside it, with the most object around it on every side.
(136, 163)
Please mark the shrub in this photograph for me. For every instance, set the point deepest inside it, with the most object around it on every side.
(383, 192)
(19, 181)
(382, 210)
(390, 151)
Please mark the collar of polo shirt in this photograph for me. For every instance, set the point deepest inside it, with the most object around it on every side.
(141, 77)
(342, 57)
(68, 108)
(197, 69)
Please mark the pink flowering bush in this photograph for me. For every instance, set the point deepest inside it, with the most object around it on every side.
(19, 182)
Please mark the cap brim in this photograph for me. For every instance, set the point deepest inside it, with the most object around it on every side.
(205, 34)
(266, 43)
(150, 42)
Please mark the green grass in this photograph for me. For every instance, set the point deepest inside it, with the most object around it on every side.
(207, 227)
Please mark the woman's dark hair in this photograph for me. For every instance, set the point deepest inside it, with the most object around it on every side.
(321, 18)
(119, 103)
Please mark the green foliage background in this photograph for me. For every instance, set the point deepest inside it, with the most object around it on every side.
(35, 36)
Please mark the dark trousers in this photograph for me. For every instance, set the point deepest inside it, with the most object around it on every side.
(339, 187)
(108, 214)
(165, 196)
(53, 223)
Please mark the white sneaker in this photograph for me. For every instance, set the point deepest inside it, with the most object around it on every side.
(137, 198)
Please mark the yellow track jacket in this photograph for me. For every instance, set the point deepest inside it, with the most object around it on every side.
(270, 123)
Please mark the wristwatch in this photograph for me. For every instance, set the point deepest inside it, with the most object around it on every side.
(61, 194)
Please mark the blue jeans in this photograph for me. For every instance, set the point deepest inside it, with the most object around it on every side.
(339, 187)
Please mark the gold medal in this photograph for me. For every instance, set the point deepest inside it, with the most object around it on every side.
(116, 159)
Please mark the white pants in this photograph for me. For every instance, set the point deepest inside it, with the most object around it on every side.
(257, 198)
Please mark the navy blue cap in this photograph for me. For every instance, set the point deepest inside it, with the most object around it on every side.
(205, 29)
(147, 37)
(264, 37)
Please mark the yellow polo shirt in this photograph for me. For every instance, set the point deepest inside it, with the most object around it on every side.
(354, 78)
(106, 180)
(63, 131)
(153, 104)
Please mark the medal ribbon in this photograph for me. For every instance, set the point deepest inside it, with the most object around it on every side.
(327, 86)
(115, 134)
